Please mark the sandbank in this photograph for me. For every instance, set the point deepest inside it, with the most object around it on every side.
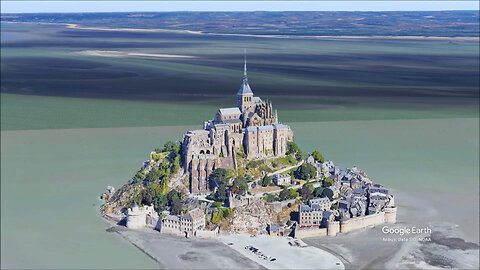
(105, 53)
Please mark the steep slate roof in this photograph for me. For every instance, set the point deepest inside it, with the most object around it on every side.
(244, 89)
(281, 126)
(252, 129)
(229, 111)
(304, 208)
(267, 127)
(319, 201)
(230, 121)
(196, 214)
(172, 218)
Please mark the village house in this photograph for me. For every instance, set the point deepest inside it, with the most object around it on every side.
(282, 179)
(323, 203)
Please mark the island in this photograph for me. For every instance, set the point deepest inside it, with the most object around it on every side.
(243, 174)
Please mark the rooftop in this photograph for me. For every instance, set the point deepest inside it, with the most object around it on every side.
(281, 126)
(231, 121)
(230, 111)
(268, 127)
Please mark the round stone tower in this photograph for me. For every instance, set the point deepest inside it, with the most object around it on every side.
(333, 228)
(391, 215)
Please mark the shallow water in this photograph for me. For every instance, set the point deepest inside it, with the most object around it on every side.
(51, 179)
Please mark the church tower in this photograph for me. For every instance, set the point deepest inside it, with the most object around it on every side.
(245, 94)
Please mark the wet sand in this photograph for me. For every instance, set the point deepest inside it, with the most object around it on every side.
(172, 252)
(453, 243)
(286, 256)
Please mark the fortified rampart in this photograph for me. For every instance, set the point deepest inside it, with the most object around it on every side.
(206, 234)
(362, 222)
(310, 232)
(389, 215)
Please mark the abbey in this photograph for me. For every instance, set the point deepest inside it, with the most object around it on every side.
(251, 128)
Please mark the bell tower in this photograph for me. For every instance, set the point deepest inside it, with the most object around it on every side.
(245, 94)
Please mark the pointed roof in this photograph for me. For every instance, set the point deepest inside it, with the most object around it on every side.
(245, 87)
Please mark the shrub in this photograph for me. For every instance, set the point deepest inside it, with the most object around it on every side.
(287, 194)
(327, 193)
(266, 181)
(328, 182)
(221, 214)
(318, 156)
(270, 197)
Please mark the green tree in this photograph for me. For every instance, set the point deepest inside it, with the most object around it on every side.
(171, 146)
(138, 177)
(175, 201)
(221, 193)
(318, 156)
(287, 194)
(327, 193)
(240, 185)
(305, 171)
(266, 181)
(292, 148)
(153, 175)
(218, 176)
(306, 192)
(292, 193)
(152, 194)
(328, 182)
(317, 192)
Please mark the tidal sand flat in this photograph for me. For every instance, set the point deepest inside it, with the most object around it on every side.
(320, 71)
(62, 172)
(286, 256)
(448, 245)
(180, 253)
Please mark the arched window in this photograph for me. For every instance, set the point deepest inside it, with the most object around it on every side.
(202, 152)
(208, 151)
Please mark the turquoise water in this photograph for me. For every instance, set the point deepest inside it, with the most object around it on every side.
(51, 179)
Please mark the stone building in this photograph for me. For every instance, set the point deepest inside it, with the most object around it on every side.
(282, 179)
(251, 128)
(139, 217)
(186, 225)
(323, 203)
(309, 215)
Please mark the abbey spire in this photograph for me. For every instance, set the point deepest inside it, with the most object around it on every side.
(245, 94)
